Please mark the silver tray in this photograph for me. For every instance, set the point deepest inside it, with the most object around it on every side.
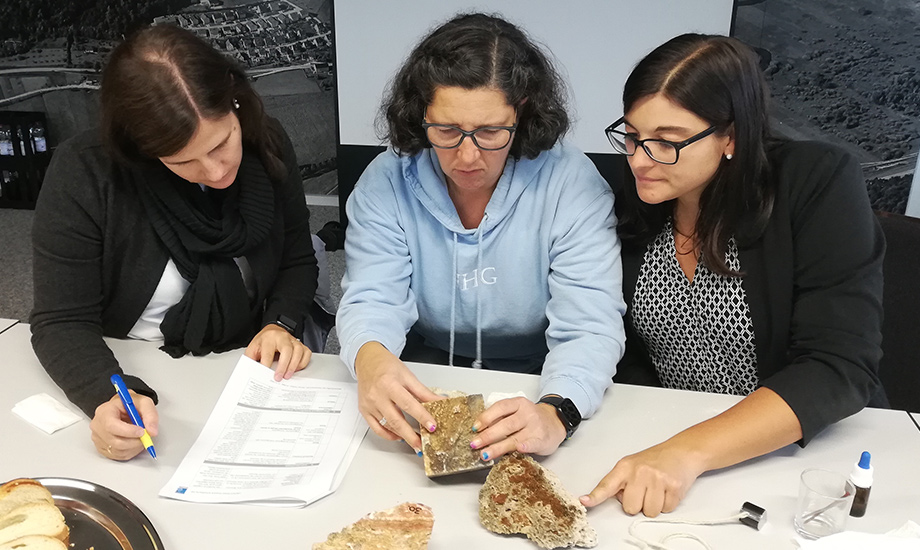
(99, 518)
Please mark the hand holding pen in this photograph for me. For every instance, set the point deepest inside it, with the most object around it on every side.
(136, 419)
(114, 433)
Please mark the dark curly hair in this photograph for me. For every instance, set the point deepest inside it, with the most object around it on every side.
(474, 51)
(718, 79)
(157, 84)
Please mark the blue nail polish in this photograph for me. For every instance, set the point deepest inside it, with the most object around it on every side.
(485, 456)
(474, 429)
(419, 453)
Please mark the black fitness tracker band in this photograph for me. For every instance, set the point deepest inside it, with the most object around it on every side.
(287, 324)
(566, 410)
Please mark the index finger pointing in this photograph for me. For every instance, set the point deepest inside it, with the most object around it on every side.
(608, 487)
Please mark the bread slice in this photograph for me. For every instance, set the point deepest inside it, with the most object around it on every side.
(37, 518)
(18, 492)
(404, 527)
(447, 450)
(521, 496)
(34, 542)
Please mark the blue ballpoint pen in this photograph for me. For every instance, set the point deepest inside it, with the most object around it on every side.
(122, 392)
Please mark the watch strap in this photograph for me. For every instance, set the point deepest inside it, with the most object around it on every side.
(287, 324)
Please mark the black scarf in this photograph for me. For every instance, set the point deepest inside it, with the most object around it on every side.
(204, 231)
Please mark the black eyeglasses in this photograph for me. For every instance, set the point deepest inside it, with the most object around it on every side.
(487, 138)
(659, 150)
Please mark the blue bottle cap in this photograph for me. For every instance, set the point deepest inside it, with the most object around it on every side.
(864, 460)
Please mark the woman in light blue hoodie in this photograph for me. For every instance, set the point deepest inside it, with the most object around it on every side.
(479, 239)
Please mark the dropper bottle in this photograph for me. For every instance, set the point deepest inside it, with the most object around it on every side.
(861, 477)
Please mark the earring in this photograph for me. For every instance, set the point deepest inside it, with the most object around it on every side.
(728, 156)
(236, 104)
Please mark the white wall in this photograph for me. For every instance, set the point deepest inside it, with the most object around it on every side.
(913, 200)
(595, 42)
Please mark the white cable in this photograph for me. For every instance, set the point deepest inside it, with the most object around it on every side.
(646, 544)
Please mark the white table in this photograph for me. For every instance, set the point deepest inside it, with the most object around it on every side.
(916, 417)
(6, 323)
(386, 473)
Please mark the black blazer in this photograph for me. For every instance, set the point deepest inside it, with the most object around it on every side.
(813, 281)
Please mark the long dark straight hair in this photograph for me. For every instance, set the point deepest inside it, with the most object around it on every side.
(472, 51)
(718, 79)
(158, 83)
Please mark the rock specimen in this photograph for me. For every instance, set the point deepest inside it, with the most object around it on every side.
(447, 450)
(521, 496)
(404, 527)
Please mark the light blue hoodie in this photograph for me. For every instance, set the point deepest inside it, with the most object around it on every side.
(542, 270)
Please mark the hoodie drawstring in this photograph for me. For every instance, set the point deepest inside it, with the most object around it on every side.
(477, 364)
(453, 306)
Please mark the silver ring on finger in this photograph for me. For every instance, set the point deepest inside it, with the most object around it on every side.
(383, 421)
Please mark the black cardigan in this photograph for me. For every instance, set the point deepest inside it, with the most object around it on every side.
(97, 262)
(813, 281)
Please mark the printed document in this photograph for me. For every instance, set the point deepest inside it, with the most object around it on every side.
(284, 443)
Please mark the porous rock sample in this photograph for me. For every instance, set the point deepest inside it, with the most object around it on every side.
(404, 527)
(521, 496)
(447, 450)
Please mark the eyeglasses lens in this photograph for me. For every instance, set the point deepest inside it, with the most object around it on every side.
(492, 138)
(443, 136)
(661, 151)
(618, 141)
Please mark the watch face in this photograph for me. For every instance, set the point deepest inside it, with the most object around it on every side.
(571, 412)
(567, 411)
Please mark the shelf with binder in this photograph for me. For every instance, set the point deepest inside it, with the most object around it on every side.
(24, 157)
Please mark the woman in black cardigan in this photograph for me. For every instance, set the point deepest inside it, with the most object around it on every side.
(751, 266)
(182, 219)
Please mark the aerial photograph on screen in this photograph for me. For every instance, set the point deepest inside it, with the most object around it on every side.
(845, 71)
(52, 53)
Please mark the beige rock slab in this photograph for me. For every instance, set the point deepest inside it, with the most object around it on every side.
(404, 527)
(447, 450)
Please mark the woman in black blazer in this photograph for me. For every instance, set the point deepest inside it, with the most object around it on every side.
(752, 266)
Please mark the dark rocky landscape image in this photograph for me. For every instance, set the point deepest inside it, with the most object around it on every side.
(52, 52)
(847, 72)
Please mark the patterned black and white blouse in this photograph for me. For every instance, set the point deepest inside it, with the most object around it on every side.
(699, 334)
